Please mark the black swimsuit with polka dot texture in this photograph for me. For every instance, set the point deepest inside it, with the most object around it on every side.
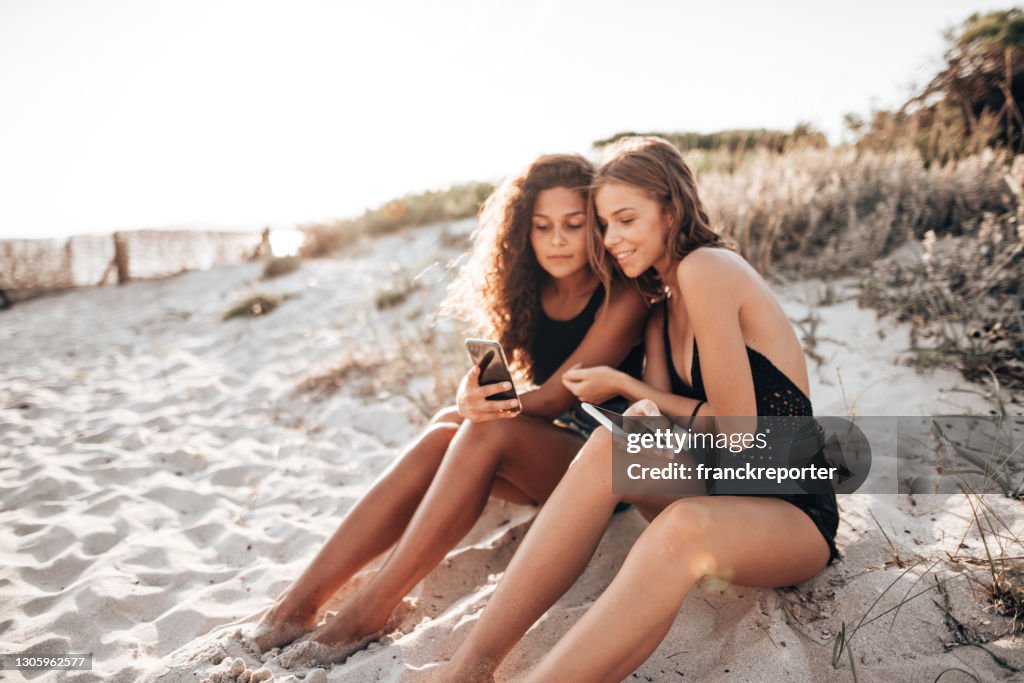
(776, 395)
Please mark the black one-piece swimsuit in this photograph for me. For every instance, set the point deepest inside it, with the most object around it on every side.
(776, 395)
(555, 340)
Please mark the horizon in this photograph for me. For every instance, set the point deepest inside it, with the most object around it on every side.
(237, 116)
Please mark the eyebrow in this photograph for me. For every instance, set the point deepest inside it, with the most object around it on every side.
(574, 213)
(616, 212)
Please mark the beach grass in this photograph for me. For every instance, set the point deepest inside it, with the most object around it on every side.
(254, 306)
(281, 265)
(937, 245)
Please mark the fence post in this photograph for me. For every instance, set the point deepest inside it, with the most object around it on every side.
(69, 265)
(121, 258)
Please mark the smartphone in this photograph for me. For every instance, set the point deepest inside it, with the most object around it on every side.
(614, 421)
(603, 417)
(490, 358)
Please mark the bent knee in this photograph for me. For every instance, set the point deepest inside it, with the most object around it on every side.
(596, 452)
(449, 414)
(490, 432)
(436, 438)
(681, 531)
(687, 518)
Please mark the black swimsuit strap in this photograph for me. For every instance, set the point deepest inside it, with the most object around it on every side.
(776, 393)
(679, 386)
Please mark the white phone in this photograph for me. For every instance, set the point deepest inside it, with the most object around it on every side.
(613, 421)
(602, 416)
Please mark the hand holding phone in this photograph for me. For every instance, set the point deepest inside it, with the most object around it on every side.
(488, 391)
(619, 423)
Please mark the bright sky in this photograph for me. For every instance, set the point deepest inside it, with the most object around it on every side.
(119, 114)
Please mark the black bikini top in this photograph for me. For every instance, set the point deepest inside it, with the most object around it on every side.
(774, 392)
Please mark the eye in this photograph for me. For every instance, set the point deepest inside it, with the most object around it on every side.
(627, 221)
(575, 226)
(542, 227)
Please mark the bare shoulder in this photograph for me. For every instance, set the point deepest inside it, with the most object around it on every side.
(711, 267)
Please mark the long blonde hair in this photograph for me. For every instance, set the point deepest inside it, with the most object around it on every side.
(653, 165)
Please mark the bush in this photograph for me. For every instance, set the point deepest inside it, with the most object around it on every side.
(748, 140)
(973, 102)
(454, 203)
(281, 265)
(825, 212)
(253, 306)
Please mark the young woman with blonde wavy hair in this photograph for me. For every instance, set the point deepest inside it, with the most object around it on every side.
(529, 284)
(649, 225)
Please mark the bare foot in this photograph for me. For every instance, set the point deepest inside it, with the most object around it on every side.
(280, 626)
(339, 639)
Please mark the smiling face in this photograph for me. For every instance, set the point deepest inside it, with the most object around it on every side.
(634, 226)
(558, 231)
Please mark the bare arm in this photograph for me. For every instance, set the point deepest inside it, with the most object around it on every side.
(656, 385)
(614, 332)
(594, 384)
(715, 317)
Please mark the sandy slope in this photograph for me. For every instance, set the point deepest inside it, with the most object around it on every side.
(161, 479)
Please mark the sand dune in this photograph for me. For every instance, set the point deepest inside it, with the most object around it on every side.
(162, 479)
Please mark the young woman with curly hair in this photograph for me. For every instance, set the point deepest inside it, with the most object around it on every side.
(650, 225)
(529, 284)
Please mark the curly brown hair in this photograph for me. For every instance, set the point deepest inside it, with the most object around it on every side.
(498, 286)
(656, 167)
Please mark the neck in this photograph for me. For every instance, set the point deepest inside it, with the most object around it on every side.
(582, 281)
(666, 267)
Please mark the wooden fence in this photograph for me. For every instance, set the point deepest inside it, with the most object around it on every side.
(32, 267)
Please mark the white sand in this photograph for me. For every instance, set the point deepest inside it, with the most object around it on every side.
(162, 481)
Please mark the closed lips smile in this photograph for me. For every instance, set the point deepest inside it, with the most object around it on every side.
(560, 256)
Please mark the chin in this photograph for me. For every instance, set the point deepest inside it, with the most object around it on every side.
(632, 270)
(563, 270)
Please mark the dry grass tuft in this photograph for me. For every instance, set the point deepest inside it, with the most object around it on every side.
(281, 265)
(357, 371)
(425, 367)
(395, 296)
(1007, 595)
(254, 306)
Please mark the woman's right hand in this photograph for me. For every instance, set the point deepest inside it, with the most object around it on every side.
(471, 399)
(645, 407)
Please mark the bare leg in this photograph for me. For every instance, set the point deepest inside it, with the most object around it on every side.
(553, 554)
(745, 540)
(529, 453)
(369, 528)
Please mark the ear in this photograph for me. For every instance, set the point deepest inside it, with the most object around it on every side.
(668, 217)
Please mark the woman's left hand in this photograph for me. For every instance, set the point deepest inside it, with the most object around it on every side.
(593, 385)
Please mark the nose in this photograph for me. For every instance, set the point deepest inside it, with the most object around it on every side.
(558, 236)
(611, 237)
